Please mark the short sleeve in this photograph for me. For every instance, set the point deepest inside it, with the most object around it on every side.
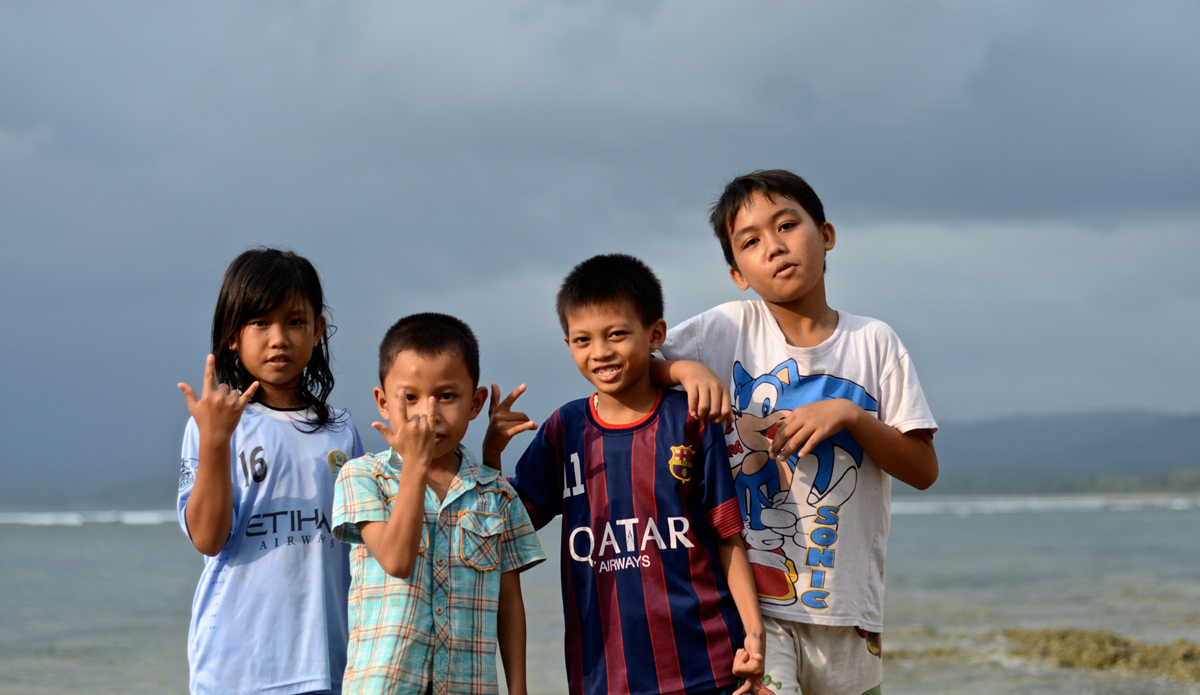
(538, 478)
(357, 449)
(901, 399)
(519, 546)
(683, 341)
(356, 498)
(722, 511)
(710, 338)
(189, 461)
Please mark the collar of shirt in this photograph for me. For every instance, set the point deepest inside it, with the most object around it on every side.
(470, 472)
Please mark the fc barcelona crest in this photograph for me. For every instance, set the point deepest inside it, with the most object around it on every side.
(681, 463)
(336, 460)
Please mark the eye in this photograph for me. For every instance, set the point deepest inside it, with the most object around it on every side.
(447, 396)
(618, 334)
(748, 243)
(411, 398)
(768, 395)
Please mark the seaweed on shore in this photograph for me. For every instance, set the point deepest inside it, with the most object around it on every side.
(1103, 651)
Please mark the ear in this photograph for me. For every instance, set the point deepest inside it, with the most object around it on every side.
(319, 325)
(738, 279)
(829, 234)
(658, 334)
(381, 402)
(478, 400)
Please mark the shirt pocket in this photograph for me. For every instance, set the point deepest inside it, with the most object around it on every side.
(479, 539)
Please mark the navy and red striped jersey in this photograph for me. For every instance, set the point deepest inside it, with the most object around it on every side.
(644, 505)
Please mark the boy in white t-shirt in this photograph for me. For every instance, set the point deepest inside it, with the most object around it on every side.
(827, 410)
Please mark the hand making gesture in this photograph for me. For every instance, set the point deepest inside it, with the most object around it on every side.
(412, 436)
(503, 424)
(218, 409)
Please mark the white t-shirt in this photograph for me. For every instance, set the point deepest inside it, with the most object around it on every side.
(817, 528)
(269, 615)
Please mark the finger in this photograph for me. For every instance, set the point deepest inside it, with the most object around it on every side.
(494, 400)
(726, 414)
(815, 439)
(744, 688)
(188, 394)
(702, 403)
(789, 428)
(795, 442)
(210, 373)
(248, 394)
(523, 427)
(384, 430)
(400, 410)
(512, 397)
(431, 414)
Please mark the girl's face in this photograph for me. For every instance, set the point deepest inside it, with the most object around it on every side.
(276, 347)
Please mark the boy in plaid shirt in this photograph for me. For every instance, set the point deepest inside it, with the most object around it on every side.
(438, 540)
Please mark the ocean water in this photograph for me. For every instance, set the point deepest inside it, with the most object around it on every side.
(99, 603)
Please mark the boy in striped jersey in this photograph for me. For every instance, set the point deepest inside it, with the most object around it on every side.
(657, 588)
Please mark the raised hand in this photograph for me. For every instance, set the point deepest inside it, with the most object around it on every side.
(811, 424)
(503, 424)
(218, 409)
(412, 436)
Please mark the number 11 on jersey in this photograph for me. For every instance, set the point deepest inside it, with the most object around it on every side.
(577, 489)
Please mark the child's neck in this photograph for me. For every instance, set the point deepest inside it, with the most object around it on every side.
(805, 322)
(282, 399)
(629, 405)
(442, 472)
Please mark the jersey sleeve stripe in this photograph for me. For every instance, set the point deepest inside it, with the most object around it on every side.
(726, 518)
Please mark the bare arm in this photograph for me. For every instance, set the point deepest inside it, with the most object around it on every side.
(394, 543)
(708, 396)
(217, 411)
(748, 662)
(510, 628)
(907, 456)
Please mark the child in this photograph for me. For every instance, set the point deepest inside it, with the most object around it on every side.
(656, 585)
(827, 411)
(260, 455)
(438, 541)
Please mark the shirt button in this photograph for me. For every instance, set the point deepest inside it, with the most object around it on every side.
(438, 610)
(441, 561)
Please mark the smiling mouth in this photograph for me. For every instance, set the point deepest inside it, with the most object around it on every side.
(607, 373)
(279, 361)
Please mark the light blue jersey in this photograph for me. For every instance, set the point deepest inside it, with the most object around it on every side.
(269, 615)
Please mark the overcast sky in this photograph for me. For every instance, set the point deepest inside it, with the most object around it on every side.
(1016, 187)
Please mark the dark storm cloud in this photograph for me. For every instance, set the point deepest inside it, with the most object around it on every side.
(461, 156)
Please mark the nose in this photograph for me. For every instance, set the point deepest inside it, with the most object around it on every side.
(774, 244)
(276, 335)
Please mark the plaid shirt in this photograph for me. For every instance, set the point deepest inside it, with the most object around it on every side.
(439, 625)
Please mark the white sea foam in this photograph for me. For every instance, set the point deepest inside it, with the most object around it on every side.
(967, 506)
(130, 518)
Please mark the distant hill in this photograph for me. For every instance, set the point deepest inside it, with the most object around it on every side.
(1109, 451)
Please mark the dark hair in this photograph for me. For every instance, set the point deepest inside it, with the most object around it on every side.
(609, 279)
(256, 283)
(770, 183)
(430, 334)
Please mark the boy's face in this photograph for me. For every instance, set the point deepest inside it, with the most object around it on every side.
(779, 250)
(610, 345)
(444, 377)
